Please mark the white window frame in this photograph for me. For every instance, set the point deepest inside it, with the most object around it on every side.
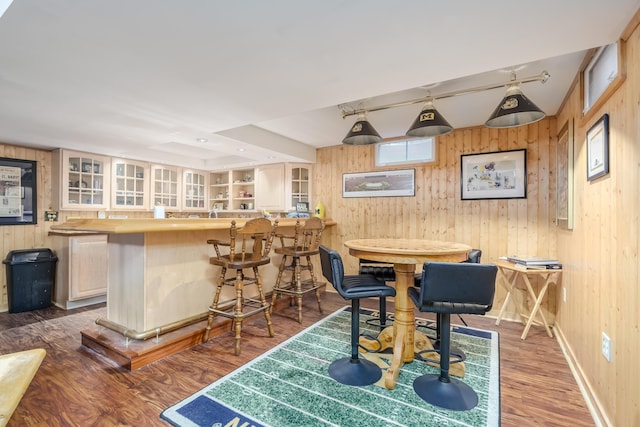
(600, 73)
(593, 102)
(382, 161)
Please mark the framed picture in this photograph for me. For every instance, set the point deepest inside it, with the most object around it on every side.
(18, 192)
(496, 175)
(379, 183)
(598, 149)
(564, 175)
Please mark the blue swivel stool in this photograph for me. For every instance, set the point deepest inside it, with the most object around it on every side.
(353, 370)
(451, 288)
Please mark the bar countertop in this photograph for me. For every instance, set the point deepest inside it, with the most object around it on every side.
(152, 225)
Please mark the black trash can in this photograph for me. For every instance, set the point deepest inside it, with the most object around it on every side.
(30, 277)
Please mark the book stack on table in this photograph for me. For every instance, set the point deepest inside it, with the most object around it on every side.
(535, 263)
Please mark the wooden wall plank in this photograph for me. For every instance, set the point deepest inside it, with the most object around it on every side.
(498, 227)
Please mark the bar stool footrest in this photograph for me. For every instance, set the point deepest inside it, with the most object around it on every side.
(254, 305)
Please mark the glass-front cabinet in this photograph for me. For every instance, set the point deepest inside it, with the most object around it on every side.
(165, 186)
(298, 184)
(82, 179)
(130, 182)
(194, 196)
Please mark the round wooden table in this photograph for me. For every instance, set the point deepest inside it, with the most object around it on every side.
(404, 254)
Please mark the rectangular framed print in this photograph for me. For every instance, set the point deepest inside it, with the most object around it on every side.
(496, 175)
(598, 149)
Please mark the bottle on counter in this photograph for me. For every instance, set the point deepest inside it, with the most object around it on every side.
(319, 210)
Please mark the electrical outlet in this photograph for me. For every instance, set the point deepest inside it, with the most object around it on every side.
(564, 294)
(606, 347)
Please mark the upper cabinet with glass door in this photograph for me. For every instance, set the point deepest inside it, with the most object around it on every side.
(195, 185)
(165, 186)
(82, 180)
(298, 187)
(130, 182)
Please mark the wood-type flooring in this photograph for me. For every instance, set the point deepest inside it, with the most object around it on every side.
(77, 387)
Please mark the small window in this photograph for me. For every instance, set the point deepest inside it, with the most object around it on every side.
(405, 151)
(600, 74)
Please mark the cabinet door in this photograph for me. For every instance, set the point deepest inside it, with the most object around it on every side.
(88, 266)
(165, 186)
(270, 187)
(82, 180)
(194, 196)
(130, 184)
(298, 184)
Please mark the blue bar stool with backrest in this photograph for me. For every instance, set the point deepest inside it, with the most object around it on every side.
(353, 370)
(446, 289)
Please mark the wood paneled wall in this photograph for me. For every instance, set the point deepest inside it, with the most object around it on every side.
(26, 236)
(37, 236)
(498, 227)
(601, 253)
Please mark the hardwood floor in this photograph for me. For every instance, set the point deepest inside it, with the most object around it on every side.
(77, 387)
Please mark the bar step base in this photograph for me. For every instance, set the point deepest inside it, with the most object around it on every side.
(139, 353)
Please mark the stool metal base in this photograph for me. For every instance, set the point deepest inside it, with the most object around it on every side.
(356, 372)
(454, 394)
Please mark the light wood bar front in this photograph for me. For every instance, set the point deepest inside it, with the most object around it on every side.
(158, 269)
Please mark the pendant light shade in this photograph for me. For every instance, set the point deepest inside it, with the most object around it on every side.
(429, 123)
(362, 133)
(514, 110)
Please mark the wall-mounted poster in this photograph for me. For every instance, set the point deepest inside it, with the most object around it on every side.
(497, 175)
(17, 192)
(379, 183)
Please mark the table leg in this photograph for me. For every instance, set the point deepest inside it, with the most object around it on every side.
(403, 324)
(509, 287)
(510, 283)
(536, 307)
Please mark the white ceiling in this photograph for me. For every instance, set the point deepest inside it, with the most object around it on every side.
(146, 79)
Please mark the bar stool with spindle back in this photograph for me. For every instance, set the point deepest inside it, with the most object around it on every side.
(303, 245)
(249, 248)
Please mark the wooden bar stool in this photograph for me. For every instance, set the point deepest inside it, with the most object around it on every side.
(249, 248)
(302, 245)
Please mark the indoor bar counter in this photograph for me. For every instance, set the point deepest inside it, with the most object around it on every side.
(159, 277)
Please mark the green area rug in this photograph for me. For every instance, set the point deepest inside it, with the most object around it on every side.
(290, 386)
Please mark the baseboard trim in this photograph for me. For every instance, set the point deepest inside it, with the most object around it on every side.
(593, 403)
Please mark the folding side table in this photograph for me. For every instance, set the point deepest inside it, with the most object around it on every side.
(508, 275)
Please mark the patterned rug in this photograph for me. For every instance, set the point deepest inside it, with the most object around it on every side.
(290, 386)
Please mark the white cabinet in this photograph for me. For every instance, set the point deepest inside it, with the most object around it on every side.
(195, 185)
(298, 184)
(82, 181)
(166, 186)
(270, 187)
(130, 183)
(280, 186)
(81, 273)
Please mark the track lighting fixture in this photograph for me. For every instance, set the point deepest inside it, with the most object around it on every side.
(514, 110)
